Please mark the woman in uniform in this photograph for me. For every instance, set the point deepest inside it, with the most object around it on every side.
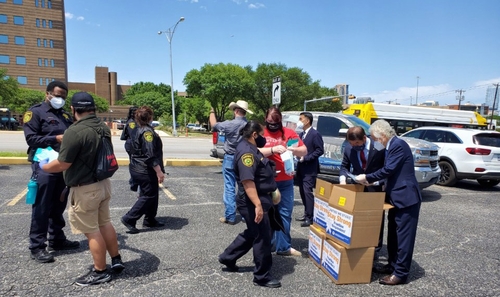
(255, 177)
(128, 135)
(146, 170)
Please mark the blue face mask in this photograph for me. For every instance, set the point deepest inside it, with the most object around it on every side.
(358, 148)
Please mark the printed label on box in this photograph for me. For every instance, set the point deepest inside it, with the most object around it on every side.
(321, 208)
(322, 191)
(342, 201)
(339, 225)
(315, 247)
(330, 260)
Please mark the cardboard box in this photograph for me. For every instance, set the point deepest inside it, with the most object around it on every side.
(316, 238)
(347, 266)
(322, 194)
(354, 217)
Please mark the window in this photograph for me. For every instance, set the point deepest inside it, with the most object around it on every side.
(52, 43)
(50, 24)
(451, 138)
(18, 20)
(38, 22)
(20, 60)
(37, 3)
(4, 59)
(3, 1)
(45, 43)
(40, 62)
(52, 64)
(38, 42)
(23, 80)
(3, 19)
(4, 38)
(46, 62)
(41, 81)
(44, 23)
(47, 81)
(19, 40)
(43, 3)
(330, 126)
(18, 2)
(49, 4)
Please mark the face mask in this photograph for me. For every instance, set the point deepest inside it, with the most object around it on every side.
(260, 141)
(359, 148)
(273, 127)
(57, 102)
(300, 125)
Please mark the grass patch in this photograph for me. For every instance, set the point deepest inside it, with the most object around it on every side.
(13, 154)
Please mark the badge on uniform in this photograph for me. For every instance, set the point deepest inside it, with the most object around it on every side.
(27, 116)
(148, 136)
(247, 160)
(131, 125)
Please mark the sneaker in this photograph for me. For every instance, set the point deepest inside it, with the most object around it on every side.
(65, 245)
(42, 257)
(291, 252)
(117, 265)
(93, 278)
(226, 221)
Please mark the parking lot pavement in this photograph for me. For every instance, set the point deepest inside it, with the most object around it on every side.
(456, 253)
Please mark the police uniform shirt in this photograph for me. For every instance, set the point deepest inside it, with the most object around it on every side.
(147, 151)
(250, 164)
(42, 124)
(128, 134)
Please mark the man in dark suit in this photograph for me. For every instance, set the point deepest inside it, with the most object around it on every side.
(403, 192)
(363, 155)
(308, 166)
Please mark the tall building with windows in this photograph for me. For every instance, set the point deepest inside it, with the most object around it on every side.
(33, 41)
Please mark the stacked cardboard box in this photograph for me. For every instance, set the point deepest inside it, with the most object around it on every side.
(350, 221)
(316, 238)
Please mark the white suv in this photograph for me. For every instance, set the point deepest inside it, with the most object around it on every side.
(464, 153)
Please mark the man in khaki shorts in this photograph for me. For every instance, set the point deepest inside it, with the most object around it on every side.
(88, 198)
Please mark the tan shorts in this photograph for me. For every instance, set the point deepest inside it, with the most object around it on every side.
(89, 207)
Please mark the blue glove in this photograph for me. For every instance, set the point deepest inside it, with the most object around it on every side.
(43, 162)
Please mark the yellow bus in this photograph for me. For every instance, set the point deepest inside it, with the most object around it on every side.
(404, 118)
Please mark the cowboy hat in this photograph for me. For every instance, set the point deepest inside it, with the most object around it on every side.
(240, 104)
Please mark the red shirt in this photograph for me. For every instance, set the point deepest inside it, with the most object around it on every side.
(274, 139)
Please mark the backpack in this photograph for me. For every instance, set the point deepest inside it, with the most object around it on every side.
(105, 161)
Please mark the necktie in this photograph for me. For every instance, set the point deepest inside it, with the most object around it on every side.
(363, 159)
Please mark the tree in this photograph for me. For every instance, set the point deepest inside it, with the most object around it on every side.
(101, 103)
(8, 90)
(160, 103)
(27, 98)
(195, 110)
(144, 87)
(220, 84)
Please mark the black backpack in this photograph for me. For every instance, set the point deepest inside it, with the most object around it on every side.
(105, 161)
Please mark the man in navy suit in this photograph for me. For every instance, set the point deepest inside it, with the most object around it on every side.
(308, 166)
(403, 192)
(363, 155)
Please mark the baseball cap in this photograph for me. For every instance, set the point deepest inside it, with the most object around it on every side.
(82, 99)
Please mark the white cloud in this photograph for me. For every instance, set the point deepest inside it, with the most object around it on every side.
(194, 1)
(240, 1)
(487, 82)
(256, 6)
(80, 18)
(69, 15)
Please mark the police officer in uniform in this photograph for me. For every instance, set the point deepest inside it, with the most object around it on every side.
(128, 134)
(44, 126)
(255, 177)
(146, 170)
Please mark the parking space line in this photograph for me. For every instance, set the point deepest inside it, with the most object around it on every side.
(167, 192)
(17, 198)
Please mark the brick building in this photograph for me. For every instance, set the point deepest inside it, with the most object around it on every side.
(33, 41)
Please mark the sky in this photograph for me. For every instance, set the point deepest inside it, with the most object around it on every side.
(388, 50)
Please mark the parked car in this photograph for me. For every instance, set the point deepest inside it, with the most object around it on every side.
(155, 124)
(196, 127)
(464, 153)
(7, 123)
(119, 124)
(333, 127)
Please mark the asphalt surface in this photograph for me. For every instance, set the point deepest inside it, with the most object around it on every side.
(456, 253)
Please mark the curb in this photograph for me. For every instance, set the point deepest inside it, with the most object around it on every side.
(125, 162)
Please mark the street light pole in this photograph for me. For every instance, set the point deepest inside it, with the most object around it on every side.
(170, 34)
(416, 97)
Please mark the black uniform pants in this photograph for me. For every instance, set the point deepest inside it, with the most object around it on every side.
(307, 183)
(256, 236)
(147, 202)
(47, 211)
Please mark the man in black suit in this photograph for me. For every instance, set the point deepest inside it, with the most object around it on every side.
(363, 155)
(308, 166)
(403, 192)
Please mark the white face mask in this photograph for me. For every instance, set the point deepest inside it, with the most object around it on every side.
(300, 125)
(57, 102)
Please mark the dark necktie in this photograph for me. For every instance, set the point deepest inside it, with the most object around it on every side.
(363, 159)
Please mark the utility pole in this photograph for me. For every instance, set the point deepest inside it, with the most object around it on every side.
(416, 97)
(493, 108)
(460, 97)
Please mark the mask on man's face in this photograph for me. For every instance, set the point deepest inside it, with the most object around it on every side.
(358, 148)
(300, 125)
(260, 141)
(57, 102)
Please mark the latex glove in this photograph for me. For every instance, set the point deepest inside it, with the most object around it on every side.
(342, 180)
(43, 162)
(279, 149)
(301, 159)
(361, 179)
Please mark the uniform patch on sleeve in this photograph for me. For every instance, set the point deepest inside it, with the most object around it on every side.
(131, 125)
(66, 116)
(27, 116)
(247, 160)
(148, 136)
